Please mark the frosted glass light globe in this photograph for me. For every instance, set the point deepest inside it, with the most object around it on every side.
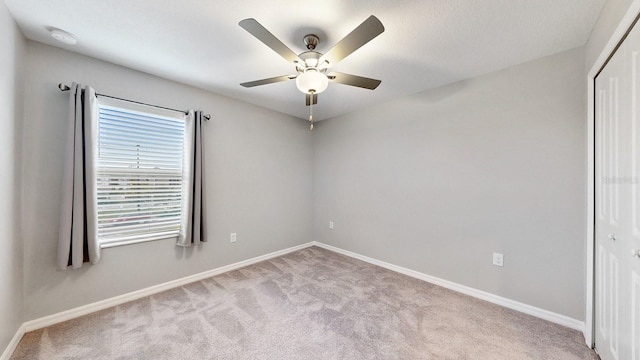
(312, 81)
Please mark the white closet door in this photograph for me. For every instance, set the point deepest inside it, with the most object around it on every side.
(617, 154)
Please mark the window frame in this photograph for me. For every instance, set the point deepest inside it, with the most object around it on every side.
(108, 102)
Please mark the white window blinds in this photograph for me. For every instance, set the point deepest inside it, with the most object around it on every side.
(139, 172)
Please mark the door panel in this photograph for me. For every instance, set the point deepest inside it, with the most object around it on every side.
(635, 142)
(614, 303)
(610, 218)
(601, 299)
(632, 300)
(613, 162)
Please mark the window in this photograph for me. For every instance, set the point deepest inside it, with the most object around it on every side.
(139, 172)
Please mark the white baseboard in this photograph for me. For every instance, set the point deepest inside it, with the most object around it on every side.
(13, 344)
(508, 303)
(121, 299)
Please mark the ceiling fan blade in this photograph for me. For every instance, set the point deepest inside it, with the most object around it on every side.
(261, 33)
(268, 81)
(308, 98)
(354, 80)
(361, 35)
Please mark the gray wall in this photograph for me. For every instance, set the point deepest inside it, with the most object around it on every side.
(259, 183)
(610, 17)
(437, 181)
(11, 286)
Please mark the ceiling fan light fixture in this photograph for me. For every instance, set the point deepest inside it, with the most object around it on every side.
(311, 81)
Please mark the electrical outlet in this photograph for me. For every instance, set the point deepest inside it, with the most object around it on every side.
(232, 238)
(498, 259)
(331, 225)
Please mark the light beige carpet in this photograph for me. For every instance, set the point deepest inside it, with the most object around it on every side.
(310, 304)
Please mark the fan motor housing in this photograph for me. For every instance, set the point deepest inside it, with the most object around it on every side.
(311, 60)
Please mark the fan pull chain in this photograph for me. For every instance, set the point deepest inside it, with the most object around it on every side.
(311, 113)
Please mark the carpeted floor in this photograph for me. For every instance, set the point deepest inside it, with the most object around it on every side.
(310, 304)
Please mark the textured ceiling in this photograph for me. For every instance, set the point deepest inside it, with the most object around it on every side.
(427, 43)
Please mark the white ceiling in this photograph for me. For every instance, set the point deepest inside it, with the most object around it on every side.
(426, 44)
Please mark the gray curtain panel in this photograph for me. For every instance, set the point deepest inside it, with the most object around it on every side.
(78, 240)
(193, 229)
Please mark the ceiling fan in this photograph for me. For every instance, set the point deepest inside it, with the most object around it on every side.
(311, 66)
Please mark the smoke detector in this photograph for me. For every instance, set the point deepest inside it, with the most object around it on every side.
(63, 36)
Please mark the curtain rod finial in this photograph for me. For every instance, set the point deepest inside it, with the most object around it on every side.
(63, 87)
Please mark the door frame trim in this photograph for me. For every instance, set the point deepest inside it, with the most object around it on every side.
(621, 31)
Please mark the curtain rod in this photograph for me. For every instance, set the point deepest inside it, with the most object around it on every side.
(65, 87)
